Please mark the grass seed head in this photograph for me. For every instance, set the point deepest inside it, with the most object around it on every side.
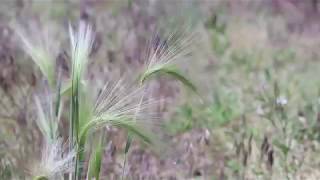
(42, 46)
(55, 161)
(46, 120)
(81, 45)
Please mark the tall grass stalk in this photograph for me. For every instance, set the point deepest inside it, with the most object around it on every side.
(161, 60)
(81, 44)
(120, 103)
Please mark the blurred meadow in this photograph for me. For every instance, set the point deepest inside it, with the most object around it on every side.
(159, 89)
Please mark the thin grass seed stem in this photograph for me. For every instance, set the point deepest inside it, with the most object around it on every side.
(124, 165)
(129, 138)
(73, 110)
(76, 125)
(101, 144)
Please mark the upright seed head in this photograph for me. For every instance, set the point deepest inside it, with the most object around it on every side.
(42, 46)
(81, 45)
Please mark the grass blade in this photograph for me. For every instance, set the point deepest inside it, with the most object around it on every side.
(168, 70)
(96, 158)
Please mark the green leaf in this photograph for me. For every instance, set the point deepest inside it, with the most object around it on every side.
(58, 100)
(284, 148)
(40, 178)
(96, 158)
(234, 165)
(127, 124)
(66, 89)
(95, 163)
(168, 70)
(128, 144)
(134, 129)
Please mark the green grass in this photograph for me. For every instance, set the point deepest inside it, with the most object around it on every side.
(259, 92)
(118, 104)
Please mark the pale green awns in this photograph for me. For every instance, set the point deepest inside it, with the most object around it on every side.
(42, 45)
(46, 119)
(55, 161)
(167, 49)
(164, 54)
(122, 98)
(123, 105)
(81, 44)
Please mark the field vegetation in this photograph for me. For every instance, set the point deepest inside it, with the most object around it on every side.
(151, 89)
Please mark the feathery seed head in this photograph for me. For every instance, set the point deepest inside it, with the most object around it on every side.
(170, 49)
(81, 45)
(42, 46)
(46, 120)
(55, 161)
(122, 100)
(122, 105)
(161, 59)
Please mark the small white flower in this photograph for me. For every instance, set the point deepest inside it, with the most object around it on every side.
(259, 110)
(281, 100)
(207, 133)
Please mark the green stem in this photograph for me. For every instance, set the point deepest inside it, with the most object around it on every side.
(128, 144)
(102, 140)
(129, 138)
(124, 165)
(80, 160)
(75, 126)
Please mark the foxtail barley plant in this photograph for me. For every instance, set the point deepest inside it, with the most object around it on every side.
(119, 103)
